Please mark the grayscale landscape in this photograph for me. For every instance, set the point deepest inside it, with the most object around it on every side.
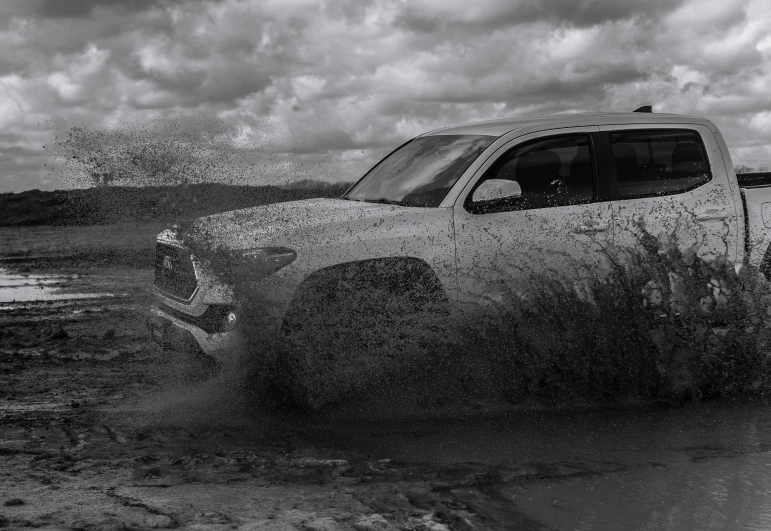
(385, 265)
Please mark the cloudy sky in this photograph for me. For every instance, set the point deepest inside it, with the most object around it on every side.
(321, 89)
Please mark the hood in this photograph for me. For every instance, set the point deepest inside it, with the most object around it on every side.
(298, 223)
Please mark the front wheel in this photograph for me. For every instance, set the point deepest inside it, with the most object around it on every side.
(351, 333)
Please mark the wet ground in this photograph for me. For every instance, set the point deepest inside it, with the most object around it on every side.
(98, 431)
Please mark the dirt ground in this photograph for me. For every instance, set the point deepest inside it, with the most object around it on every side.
(99, 433)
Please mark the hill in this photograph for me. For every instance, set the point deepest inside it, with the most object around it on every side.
(104, 205)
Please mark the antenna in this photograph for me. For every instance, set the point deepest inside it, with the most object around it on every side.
(644, 108)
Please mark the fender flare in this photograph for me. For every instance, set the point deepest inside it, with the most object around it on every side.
(397, 274)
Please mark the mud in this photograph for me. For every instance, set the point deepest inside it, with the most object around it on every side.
(99, 431)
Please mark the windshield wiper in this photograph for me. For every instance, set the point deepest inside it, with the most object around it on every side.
(382, 200)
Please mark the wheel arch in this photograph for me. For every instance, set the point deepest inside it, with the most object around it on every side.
(395, 273)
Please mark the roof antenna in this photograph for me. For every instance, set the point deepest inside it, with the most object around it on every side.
(644, 108)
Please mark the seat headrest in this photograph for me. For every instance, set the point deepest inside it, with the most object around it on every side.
(688, 157)
(581, 167)
(508, 171)
(625, 153)
(544, 163)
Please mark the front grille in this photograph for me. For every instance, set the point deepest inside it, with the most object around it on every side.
(174, 272)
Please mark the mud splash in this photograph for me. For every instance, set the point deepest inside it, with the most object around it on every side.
(226, 400)
(662, 325)
(665, 326)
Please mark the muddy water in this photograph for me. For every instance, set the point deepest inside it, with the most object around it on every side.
(706, 466)
(20, 287)
(93, 435)
(727, 493)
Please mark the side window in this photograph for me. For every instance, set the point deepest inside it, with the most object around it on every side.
(551, 172)
(663, 162)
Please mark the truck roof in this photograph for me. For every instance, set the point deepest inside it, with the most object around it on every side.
(504, 125)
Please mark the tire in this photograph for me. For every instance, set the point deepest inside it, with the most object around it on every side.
(348, 327)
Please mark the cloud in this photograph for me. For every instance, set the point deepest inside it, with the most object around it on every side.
(324, 88)
(442, 15)
(85, 8)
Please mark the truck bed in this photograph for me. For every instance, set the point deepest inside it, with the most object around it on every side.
(756, 195)
(754, 180)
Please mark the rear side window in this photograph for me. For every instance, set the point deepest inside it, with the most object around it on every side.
(654, 163)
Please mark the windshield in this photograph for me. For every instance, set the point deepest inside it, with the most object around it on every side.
(421, 172)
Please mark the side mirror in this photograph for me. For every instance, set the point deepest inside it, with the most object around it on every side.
(493, 189)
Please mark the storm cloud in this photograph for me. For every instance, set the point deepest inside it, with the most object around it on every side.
(322, 89)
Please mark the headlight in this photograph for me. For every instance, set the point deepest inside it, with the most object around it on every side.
(269, 259)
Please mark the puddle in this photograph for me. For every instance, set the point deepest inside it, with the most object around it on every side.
(15, 287)
(707, 466)
(30, 406)
(716, 494)
(15, 281)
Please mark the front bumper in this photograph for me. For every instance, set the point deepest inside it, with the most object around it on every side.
(197, 312)
(177, 335)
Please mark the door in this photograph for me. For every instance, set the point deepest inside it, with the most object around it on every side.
(555, 227)
(666, 183)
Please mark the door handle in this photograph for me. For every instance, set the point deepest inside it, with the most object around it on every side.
(589, 229)
(711, 214)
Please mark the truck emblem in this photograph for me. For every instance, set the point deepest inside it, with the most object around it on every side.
(167, 263)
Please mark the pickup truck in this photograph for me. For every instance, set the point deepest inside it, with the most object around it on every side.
(454, 212)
